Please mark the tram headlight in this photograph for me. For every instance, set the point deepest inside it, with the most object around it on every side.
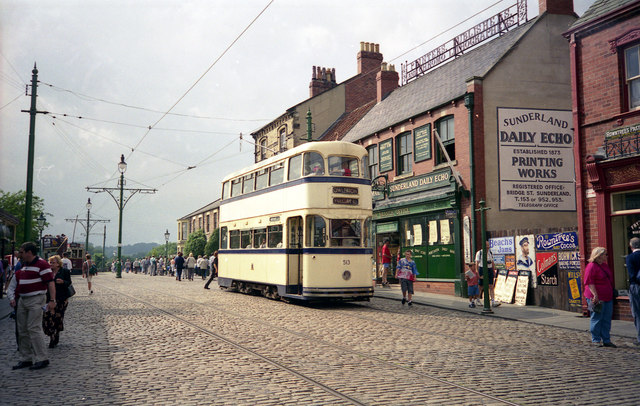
(346, 275)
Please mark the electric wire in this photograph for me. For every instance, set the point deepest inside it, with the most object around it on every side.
(22, 81)
(19, 96)
(12, 81)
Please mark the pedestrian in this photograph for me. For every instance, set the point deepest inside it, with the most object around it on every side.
(598, 280)
(136, 266)
(179, 262)
(204, 267)
(191, 265)
(633, 269)
(86, 271)
(386, 262)
(472, 277)
(406, 272)
(66, 262)
(197, 268)
(153, 265)
(33, 281)
(127, 266)
(53, 322)
(2, 275)
(214, 269)
(490, 274)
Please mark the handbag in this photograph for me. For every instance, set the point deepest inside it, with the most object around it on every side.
(72, 290)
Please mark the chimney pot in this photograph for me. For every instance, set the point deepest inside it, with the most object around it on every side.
(377, 48)
(564, 7)
(361, 45)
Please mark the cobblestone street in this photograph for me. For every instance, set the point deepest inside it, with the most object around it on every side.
(153, 340)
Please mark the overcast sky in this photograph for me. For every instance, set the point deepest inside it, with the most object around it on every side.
(121, 64)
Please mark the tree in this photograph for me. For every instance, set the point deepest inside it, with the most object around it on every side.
(212, 244)
(159, 251)
(195, 243)
(13, 203)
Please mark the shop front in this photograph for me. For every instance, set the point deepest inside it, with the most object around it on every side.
(421, 214)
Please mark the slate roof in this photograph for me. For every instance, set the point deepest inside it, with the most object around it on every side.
(437, 87)
(598, 9)
(346, 122)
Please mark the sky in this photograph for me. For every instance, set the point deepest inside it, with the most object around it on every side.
(109, 71)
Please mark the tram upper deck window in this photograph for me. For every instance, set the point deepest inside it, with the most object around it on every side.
(345, 233)
(262, 179)
(236, 187)
(295, 167)
(223, 238)
(225, 190)
(313, 164)
(277, 174)
(260, 238)
(245, 239)
(344, 166)
(365, 167)
(234, 239)
(316, 231)
(274, 236)
(248, 184)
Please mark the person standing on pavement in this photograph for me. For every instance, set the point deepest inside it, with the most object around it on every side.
(386, 262)
(53, 322)
(179, 262)
(204, 267)
(33, 281)
(490, 274)
(66, 262)
(86, 267)
(191, 265)
(406, 272)
(214, 269)
(471, 275)
(598, 280)
(633, 269)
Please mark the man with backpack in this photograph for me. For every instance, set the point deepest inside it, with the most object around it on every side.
(89, 269)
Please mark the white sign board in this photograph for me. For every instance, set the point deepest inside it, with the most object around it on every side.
(536, 166)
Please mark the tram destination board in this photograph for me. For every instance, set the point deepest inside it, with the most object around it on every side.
(345, 200)
(344, 190)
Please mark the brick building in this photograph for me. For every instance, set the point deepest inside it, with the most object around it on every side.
(478, 127)
(605, 69)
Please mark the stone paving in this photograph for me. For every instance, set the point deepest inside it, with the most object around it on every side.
(153, 340)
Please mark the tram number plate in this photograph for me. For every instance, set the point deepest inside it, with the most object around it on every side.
(345, 200)
(343, 190)
(346, 262)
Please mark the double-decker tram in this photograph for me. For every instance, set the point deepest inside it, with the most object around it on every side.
(298, 225)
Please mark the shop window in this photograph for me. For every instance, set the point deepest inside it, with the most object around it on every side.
(274, 236)
(413, 232)
(313, 164)
(625, 224)
(282, 138)
(632, 75)
(345, 233)
(446, 132)
(260, 238)
(295, 167)
(404, 147)
(316, 231)
(372, 152)
(440, 232)
(277, 174)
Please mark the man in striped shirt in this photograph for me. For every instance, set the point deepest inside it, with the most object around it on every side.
(32, 282)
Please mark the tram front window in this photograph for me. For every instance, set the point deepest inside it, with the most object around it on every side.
(343, 166)
(313, 164)
(345, 233)
(316, 229)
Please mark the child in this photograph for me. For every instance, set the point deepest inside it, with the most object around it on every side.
(406, 272)
(471, 276)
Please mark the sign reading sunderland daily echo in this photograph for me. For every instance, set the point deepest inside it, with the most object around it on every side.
(536, 168)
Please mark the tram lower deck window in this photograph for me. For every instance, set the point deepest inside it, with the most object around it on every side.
(234, 239)
(274, 236)
(346, 233)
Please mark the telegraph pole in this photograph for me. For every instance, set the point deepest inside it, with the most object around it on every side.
(32, 139)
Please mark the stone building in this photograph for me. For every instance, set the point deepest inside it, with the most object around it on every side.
(205, 218)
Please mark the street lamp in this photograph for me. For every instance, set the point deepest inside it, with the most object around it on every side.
(166, 244)
(122, 167)
(41, 220)
(86, 245)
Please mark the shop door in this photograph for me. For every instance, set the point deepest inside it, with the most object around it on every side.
(294, 268)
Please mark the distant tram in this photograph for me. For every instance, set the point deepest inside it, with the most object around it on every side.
(298, 225)
(58, 245)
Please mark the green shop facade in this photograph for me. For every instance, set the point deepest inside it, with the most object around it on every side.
(422, 214)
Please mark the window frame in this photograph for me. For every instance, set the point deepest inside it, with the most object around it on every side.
(404, 158)
(628, 81)
(374, 169)
(447, 142)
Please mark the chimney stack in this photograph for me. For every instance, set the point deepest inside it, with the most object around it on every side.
(386, 80)
(369, 57)
(322, 79)
(564, 7)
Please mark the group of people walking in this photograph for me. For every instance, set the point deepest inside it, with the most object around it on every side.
(192, 266)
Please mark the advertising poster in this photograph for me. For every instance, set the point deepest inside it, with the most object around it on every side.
(535, 155)
(466, 233)
(500, 290)
(557, 241)
(509, 287)
(510, 262)
(522, 286)
(547, 268)
(569, 260)
(575, 289)
(502, 245)
(525, 254)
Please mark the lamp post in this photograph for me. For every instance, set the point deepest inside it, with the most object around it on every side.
(86, 244)
(122, 167)
(166, 244)
(41, 220)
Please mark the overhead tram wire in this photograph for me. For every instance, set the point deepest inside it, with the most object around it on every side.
(200, 78)
(22, 81)
(19, 96)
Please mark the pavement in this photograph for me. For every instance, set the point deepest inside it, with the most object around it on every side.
(527, 314)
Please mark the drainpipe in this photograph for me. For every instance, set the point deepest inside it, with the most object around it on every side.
(577, 156)
(468, 103)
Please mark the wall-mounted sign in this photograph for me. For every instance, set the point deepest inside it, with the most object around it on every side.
(569, 260)
(422, 143)
(414, 184)
(575, 291)
(547, 268)
(535, 155)
(391, 227)
(522, 287)
(525, 254)
(502, 245)
(557, 241)
(386, 155)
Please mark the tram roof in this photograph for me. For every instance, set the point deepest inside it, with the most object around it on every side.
(326, 147)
